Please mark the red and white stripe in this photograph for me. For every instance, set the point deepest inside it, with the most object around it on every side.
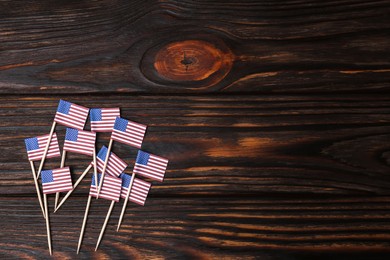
(62, 181)
(139, 191)
(85, 143)
(111, 189)
(75, 118)
(154, 169)
(115, 165)
(54, 149)
(133, 136)
(108, 120)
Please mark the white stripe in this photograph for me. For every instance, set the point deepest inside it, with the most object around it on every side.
(71, 118)
(126, 141)
(72, 124)
(150, 168)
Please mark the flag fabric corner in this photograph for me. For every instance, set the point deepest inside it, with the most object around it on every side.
(126, 180)
(150, 166)
(56, 180)
(35, 147)
(80, 141)
(71, 115)
(139, 191)
(128, 132)
(115, 165)
(111, 188)
(103, 119)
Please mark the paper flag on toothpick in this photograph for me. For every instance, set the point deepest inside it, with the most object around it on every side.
(103, 119)
(150, 166)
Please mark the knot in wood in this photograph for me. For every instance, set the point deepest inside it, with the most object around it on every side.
(192, 60)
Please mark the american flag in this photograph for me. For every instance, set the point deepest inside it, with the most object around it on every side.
(57, 180)
(128, 132)
(138, 191)
(71, 115)
(36, 146)
(111, 188)
(151, 166)
(103, 119)
(115, 165)
(80, 141)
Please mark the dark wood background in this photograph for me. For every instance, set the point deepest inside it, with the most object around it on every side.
(274, 115)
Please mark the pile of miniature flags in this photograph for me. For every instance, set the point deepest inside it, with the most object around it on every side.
(108, 180)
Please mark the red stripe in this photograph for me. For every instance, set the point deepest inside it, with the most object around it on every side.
(140, 169)
(69, 123)
(61, 181)
(115, 165)
(111, 189)
(108, 120)
(54, 150)
(139, 191)
(73, 117)
(137, 125)
(117, 137)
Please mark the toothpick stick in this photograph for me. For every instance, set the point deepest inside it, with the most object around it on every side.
(84, 222)
(62, 165)
(47, 223)
(56, 199)
(125, 202)
(37, 188)
(46, 148)
(104, 168)
(105, 224)
(74, 187)
(95, 164)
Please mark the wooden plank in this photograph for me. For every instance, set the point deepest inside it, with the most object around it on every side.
(203, 228)
(219, 145)
(175, 46)
(274, 115)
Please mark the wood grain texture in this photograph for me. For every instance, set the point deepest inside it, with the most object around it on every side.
(204, 228)
(275, 116)
(284, 46)
(241, 145)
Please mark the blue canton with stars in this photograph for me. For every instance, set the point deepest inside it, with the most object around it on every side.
(142, 157)
(96, 114)
(125, 180)
(71, 134)
(120, 124)
(31, 143)
(93, 179)
(47, 176)
(64, 107)
(102, 153)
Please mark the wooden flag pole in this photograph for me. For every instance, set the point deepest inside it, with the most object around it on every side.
(37, 188)
(46, 148)
(125, 202)
(62, 165)
(105, 224)
(84, 222)
(95, 164)
(47, 223)
(74, 187)
(104, 168)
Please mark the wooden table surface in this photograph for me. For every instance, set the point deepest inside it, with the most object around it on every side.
(274, 116)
